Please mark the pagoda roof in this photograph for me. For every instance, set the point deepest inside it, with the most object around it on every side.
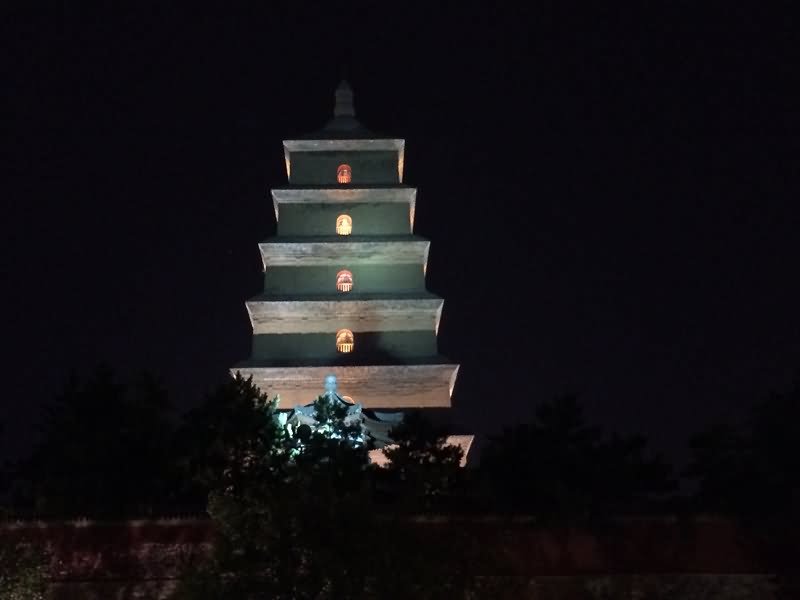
(348, 128)
(386, 383)
(322, 250)
(390, 188)
(317, 143)
(348, 297)
(345, 239)
(343, 126)
(343, 360)
(409, 312)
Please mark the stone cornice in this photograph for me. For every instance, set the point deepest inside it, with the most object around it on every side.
(327, 316)
(374, 386)
(341, 195)
(323, 145)
(354, 251)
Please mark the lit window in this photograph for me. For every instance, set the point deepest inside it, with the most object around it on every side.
(344, 340)
(344, 174)
(344, 281)
(344, 225)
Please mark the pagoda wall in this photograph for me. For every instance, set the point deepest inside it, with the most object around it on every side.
(368, 218)
(369, 346)
(375, 278)
(319, 167)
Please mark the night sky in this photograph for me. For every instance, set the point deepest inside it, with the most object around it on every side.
(611, 195)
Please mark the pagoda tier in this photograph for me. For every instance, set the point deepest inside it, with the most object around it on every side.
(395, 386)
(377, 210)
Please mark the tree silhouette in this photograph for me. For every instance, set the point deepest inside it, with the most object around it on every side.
(277, 499)
(753, 474)
(562, 470)
(424, 471)
(104, 450)
(224, 442)
(753, 470)
(297, 516)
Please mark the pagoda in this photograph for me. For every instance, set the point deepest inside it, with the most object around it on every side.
(344, 288)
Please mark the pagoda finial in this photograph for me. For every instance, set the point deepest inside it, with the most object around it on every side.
(344, 101)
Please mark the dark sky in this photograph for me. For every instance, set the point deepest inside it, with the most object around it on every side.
(611, 195)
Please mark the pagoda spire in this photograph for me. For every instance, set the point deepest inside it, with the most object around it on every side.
(344, 100)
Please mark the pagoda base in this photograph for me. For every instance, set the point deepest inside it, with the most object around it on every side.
(373, 386)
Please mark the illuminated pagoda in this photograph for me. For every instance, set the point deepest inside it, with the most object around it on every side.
(344, 290)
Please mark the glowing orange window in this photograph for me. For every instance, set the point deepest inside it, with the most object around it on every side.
(344, 281)
(344, 174)
(344, 225)
(344, 340)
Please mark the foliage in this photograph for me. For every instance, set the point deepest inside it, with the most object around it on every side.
(752, 470)
(230, 439)
(301, 520)
(562, 470)
(105, 450)
(335, 446)
(278, 499)
(685, 587)
(423, 468)
(23, 572)
(753, 474)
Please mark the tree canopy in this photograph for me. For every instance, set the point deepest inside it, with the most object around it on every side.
(561, 469)
(104, 450)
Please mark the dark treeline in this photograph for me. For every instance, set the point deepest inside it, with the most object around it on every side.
(296, 510)
(111, 448)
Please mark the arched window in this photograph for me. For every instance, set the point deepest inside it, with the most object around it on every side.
(344, 225)
(344, 340)
(344, 281)
(344, 174)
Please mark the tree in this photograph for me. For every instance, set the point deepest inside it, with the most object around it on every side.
(562, 470)
(104, 449)
(424, 470)
(225, 442)
(279, 498)
(23, 571)
(752, 473)
(297, 516)
(755, 469)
